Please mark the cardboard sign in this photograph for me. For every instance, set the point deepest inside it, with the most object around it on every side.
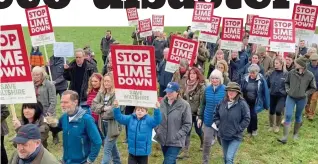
(305, 18)
(15, 74)
(132, 16)
(202, 16)
(135, 73)
(158, 23)
(63, 49)
(40, 25)
(249, 20)
(282, 35)
(211, 36)
(145, 28)
(181, 48)
(232, 34)
(260, 31)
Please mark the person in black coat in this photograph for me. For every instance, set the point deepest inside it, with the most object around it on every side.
(231, 118)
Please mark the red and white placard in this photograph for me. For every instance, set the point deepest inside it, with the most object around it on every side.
(202, 16)
(16, 82)
(135, 73)
(145, 28)
(158, 23)
(212, 35)
(249, 19)
(181, 48)
(282, 35)
(305, 18)
(232, 34)
(132, 16)
(260, 31)
(40, 25)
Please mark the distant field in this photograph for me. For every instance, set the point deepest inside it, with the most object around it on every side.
(263, 149)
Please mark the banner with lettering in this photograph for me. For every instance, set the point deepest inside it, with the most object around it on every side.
(249, 19)
(145, 28)
(260, 31)
(181, 48)
(231, 38)
(282, 35)
(202, 16)
(305, 18)
(16, 82)
(132, 16)
(135, 75)
(40, 25)
(212, 35)
(158, 23)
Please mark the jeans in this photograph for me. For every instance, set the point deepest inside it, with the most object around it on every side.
(110, 148)
(229, 150)
(290, 105)
(170, 154)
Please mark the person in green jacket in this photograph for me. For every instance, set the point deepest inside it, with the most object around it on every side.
(29, 147)
(299, 84)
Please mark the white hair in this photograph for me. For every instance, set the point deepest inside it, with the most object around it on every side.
(254, 68)
(38, 69)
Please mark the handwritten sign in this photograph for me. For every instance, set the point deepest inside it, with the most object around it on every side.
(63, 49)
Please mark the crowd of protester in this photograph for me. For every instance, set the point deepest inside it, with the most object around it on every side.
(221, 106)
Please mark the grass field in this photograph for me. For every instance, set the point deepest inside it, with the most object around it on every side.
(264, 149)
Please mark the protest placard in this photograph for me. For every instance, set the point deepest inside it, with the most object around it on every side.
(132, 16)
(202, 16)
(232, 34)
(40, 25)
(145, 28)
(212, 35)
(63, 49)
(181, 48)
(305, 17)
(249, 19)
(314, 39)
(260, 31)
(282, 35)
(15, 72)
(158, 22)
(135, 73)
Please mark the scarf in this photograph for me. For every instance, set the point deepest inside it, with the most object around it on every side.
(30, 159)
(190, 86)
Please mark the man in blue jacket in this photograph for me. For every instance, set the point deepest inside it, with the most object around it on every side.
(81, 139)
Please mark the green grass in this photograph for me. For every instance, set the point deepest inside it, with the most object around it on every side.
(260, 150)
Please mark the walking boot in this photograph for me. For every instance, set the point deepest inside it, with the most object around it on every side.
(184, 154)
(278, 120)
(271, 122)
(296, 129)
(201, 142)
(283, 140)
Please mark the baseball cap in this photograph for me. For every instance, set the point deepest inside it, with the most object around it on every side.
(26, 133)
(172, 87)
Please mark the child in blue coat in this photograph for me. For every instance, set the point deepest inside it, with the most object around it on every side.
(140, 125)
